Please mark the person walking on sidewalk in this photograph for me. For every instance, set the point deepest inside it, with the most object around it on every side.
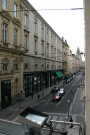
(38, 96)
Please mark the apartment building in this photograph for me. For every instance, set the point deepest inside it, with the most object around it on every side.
(44, 53)
(30, 52)
(11, 51)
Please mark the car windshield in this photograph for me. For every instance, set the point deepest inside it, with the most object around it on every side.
(56, 94)
(56, 87)
(61, 91)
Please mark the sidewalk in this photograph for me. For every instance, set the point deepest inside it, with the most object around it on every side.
(12, 112)
(77, 109)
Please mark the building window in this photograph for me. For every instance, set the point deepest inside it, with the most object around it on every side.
(15, 10)
(5, 67)
(5, 4)
(42, 66)
(15, 37)
(16, 67)
(47, 66)
(4, 32)
(25, 41)
(35, 24)
(35, 27)
(26, 66)
(42, 45)
(26, 20)
(36, 46)
(47, 49)
(36, 66)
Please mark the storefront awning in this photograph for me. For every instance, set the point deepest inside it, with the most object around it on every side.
(59, 74)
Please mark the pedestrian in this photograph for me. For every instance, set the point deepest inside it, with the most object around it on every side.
(70, 120)
(71, 92)
(38, 96)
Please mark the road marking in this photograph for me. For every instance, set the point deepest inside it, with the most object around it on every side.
(73, 101)
(66, 93)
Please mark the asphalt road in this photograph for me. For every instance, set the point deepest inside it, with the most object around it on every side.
(62, 106)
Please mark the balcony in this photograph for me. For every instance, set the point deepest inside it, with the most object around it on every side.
(79, 129)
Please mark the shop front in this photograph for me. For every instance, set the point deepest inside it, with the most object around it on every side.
(58, 76)
(31, 84)
(28, 80)
(5, 93)
(35, 82)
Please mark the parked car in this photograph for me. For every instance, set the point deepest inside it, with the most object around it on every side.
(61, 91)
(55, 89)
(68, 80)
(56, 97)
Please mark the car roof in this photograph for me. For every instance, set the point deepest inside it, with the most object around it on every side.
(61, 88)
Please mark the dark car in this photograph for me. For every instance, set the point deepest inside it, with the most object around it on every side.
(56, 97)
(55, 89)
(61, 91)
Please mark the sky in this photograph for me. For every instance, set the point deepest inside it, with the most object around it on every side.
(66, 23)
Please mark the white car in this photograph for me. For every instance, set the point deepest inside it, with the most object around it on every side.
(61, 91)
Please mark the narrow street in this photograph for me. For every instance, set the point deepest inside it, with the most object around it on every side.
(64, 104)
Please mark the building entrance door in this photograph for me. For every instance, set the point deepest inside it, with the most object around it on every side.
(5, 93)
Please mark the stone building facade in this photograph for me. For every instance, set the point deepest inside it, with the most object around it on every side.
(11, 51)
(44, 54)
(30, 52)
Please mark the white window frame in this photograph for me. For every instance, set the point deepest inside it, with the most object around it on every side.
(15, 10)
(5, 4)
(25, 41)
(5, 67)
(4, 32)
(15, 36)
(26, 20)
